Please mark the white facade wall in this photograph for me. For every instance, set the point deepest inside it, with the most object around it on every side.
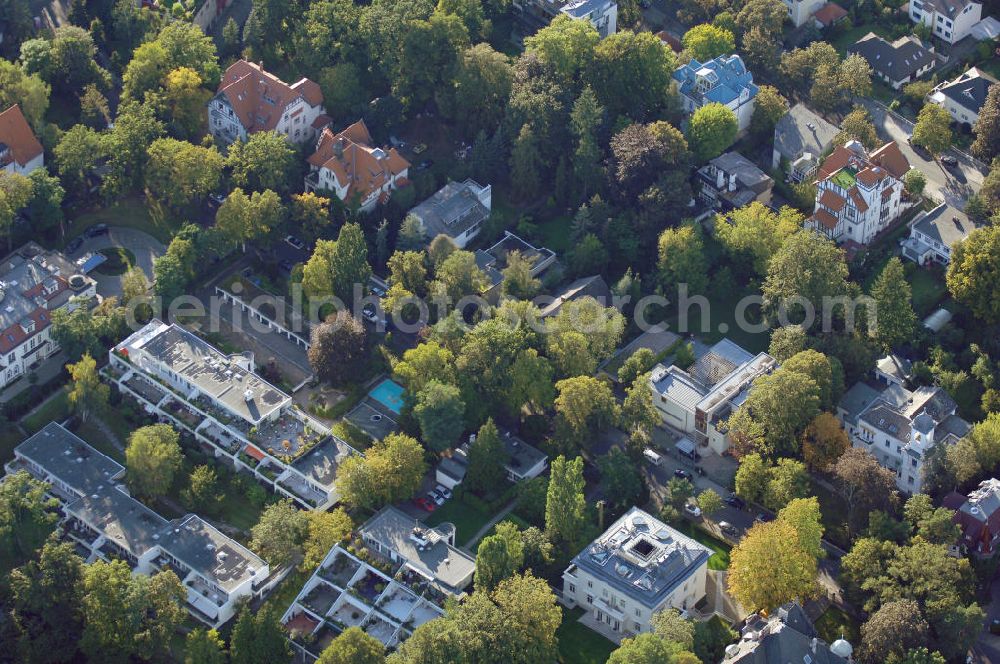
(951, 29)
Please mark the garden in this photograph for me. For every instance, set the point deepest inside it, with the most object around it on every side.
(579, 644)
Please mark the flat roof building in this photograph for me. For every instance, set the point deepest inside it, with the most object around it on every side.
(107, 523)
(457, 211)
(638, 567)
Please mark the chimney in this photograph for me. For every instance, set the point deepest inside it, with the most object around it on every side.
(338, 148)
(720, 178)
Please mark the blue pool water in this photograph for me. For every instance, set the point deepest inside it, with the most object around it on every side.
(390, 394)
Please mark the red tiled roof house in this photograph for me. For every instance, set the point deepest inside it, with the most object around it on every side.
(20, 151)
(250, 99)
(858, 194)
(978, 516)
(347, 164)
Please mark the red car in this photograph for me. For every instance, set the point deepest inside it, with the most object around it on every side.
(425, 504)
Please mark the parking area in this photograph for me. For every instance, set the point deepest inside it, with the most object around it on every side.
(143, 246)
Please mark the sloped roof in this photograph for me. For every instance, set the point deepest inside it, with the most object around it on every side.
(16, 134)
(802, 130)
(898, 60)
(945, 224)
(830, 13)
(968, 90)
(260, 98)
(352, 159)
(730, 77)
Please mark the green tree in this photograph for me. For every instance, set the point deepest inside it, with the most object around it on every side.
(583, 405)
(857, 125)
(769, 107)
(459, 275)
(45, 605)
(620, 478)
(632, 74)
(185, 100)
(776, 412)
(391, 471)
(487, 457)
(565, 505)
(499, 556)
(241, 218)
(709, 501)
(566, 45)
(439, 410)
(987, 128)
(353, 646)
(152, 458)
(915, 181)
(324, 530)
(480, 89)
(638, 412)
(518, 282)
(203, 646)
(893, 320)
(648, 649)
(637, 364)
(278, 535)
(125, 145)
(129, 615)
(809, 266)
(86, 393)
(426, 362)
(933, 129)
(752, 478)
(180, 174)
(585, 121)
(203, 493)
(864, 484)
(706, 42)
(45, 208)
(974, 261)
(754, 233)
(264, 161)
(758, 579)
(682, 260)
(711, 129)
(338, 349)
(892, 631)
(178, 44)
(27, 518)
(526, 164)
(28, 91)
(258, 638)
(76, 154)
(804, 515)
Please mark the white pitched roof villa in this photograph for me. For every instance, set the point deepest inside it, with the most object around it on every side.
(637, 567)
(107, 523)
(242, 417)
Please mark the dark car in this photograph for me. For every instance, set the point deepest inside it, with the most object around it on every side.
(919, 149)
(74, 245)
(99, 229)
(949, 161)
(683, 474)
(423, 503)
(735, 501)
(287, 266)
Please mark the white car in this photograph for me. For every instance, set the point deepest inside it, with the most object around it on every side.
(443, 490)
(692, 509)
(436, 498)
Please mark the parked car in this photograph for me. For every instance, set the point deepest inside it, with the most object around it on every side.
(683, 474)
(949, 161)
(370, 313)
(419, 149)
(377, 290)
(287, 266)
(692, 509)
(216, 199)
(652, 457)
(443, 490)
(295, 242)
(439, 495)
(762, 517)
(424, 504)
(435, 498)
(74, 245)
(727, 528)
(735, 501)
(98, 229)
(919, 149)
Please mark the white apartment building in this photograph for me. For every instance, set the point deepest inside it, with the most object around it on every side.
(347, 164)
(964, 96)
(636, 568)
(724, 80)
(345, 592)
(698, 401)
(20, 151)
(250, 99)
(536, 14)
(34, 282)
(801, 11)
(859, 194)
(106, 523)
(457, 210)
(899, 426)
(934, 233)
(950, 20)
(221, 401)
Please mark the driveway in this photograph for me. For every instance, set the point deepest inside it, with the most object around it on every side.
(952, 187)
(145, 247)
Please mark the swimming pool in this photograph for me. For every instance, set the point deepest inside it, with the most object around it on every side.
(389, 393)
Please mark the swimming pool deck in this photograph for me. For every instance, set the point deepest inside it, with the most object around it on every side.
(388, 393)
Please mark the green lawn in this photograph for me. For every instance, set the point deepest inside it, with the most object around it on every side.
(835, 624)
(10, 437)
(833, 509)
(132, 212)
(55, 409)
(467, 519)
(720, 558)
(723, 323)
(579, 644)
(91, 433)
(555, 233)
(851, 35)
(928, 288)
(119, 261)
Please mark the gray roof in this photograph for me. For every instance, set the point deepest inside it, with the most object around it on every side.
(678, 386)
(453, 468)
(856, 399)
(584, 8)
(969, 90)
(895, 366)
(593, 286)
(786, 636)
(452, 210)
(643, 557)
(451, 568)
(120, 518)
(522, 456)
(801, 130)
(65, 455)
(746, 171)
(945, 224)
(211, 554)
(719, 362)
(214, 373)
(321, 462)
(898, 60)
(950, 8)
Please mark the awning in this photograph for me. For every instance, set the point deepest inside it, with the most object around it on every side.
(684, 446)
(91, 261)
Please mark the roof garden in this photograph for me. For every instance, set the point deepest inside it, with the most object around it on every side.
(845, 178)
